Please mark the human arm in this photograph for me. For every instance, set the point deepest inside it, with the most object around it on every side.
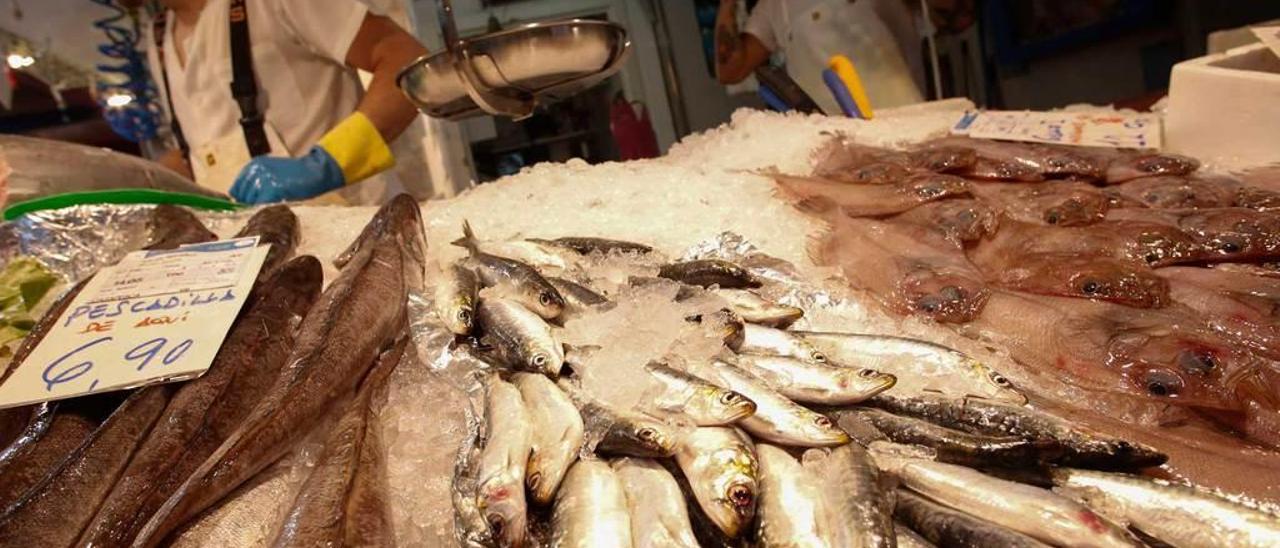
(737, 53)
(382, 48)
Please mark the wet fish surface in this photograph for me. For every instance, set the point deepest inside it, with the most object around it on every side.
(958, 221)
(702, 402)
(591, 509)
(792, 510)
(758, 339)
(809, 382)
(659, 518)
(358, 315)
(920, 367)
(946, 527)
(521, 338)
(587, 245)
(514, 279)
(456, 295)
(1062, 203)
(861, 507)
(203, 412)
(957, 446)
(710, 272)
(576, 294)
(826, 196)
(1081, 447)
(556, 438)
(1175, 514)
(721, 468)
(503, 463)
(777, 419)
(755, 309)
(275, 225)
(622, 433)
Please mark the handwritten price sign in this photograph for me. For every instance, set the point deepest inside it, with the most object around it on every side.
(1102, 129)
(156, 316)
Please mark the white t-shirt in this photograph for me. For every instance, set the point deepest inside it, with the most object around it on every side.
(883, 71)
(299, 55)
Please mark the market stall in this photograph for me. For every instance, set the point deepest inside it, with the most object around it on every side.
(603, 350)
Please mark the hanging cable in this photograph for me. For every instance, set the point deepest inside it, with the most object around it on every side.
(129, 98)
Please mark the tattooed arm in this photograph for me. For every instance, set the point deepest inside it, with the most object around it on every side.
(737, 53)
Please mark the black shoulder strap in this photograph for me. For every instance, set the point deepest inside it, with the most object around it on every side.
(244, 88)
(158, 29)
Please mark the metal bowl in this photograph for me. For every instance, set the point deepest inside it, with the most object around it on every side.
(508, 72)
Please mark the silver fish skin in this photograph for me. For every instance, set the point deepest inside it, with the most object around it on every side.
(921, 367)
(591, 509)
(622, 433)
(758, 339)
(955, 446)
(946, 527)
(588, 245)
(511, 278)
(756, 309)
(530, 252)
(455, 298)
(793, 511)
(577, 294)
(659, 518)
(720, 464)
(861, 509)
(777, 419)
(1175, 514)
(709, 272)
(522, 338)
(557, 433)
(815, 382)
(701, 402)
(503, 462)
(1032, 511)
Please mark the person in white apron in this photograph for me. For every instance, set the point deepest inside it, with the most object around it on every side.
(874, 34)
(265, 99)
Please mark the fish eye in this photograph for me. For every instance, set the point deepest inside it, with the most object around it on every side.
(823, 421)
(728, 398)
(647, 434)
(1052, 217)
(534, 479)
(868, 373)
(538, 360)
(741, 496)
(1000, 380)
(1230, 246)
(1199, 363)
(496, 524)
(818, 356)
(464, 316)
(1090, 287)
(1162, 383)
(545, 299)
(1152, 257)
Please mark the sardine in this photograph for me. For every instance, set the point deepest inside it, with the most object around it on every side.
(906, 538)
(511, 278)
(659, 518)
(359, 314)
(557, 434)
(591, 509)
(703, 403)
(792, 508)
(709, 272)
(720, 465)
(277, 226)
(1174, 514)
(577, 297)
(621, 433)
(758, 310)
(69, 496)
(810, 382)
(1080, 447)
(777, 419)
(205, 411)
(957, 446)
(503, 464)
(946, 527)
(588, 245)
(522, 339)
(861, 510)
(768, 341)
(920, 367)
(1035, 512)
(455, 298)
(344, 500)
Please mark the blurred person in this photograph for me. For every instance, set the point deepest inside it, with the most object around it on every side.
(879, 36)
(265, 99)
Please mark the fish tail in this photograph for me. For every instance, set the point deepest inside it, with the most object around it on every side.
(468, 239)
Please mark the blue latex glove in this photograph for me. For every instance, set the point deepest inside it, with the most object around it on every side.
(267, 179)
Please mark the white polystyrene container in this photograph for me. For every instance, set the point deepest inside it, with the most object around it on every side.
(1225, 108)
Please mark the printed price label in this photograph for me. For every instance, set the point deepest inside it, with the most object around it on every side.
(1101, 129)
(155, 316)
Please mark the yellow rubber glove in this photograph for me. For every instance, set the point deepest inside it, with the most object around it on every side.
(358, 148)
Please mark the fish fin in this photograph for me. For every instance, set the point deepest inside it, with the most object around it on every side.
(468, 239)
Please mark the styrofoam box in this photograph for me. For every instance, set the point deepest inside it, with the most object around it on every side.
(1225, 108)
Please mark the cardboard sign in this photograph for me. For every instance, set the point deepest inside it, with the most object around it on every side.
(1099, 129)
(155, 316)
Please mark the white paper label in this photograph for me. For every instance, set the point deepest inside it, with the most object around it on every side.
(155, 316)
(1100, 129)
(1269, 36)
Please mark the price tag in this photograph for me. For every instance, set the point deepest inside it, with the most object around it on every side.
(1100, 129)
(156, 316)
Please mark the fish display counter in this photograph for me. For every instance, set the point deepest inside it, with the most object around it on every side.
(790, 330)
